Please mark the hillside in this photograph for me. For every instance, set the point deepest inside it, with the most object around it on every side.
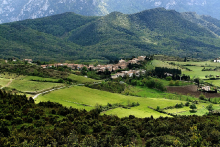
(15, 10)
(70, 36)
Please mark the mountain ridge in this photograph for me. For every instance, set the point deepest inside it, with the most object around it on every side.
(70, 36)
(15, 10)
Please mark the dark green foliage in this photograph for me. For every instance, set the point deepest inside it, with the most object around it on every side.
(187, 103)
(202, 97)
(33, 70)
(179, 105)
(210, 108)
(110, 86)
(78, 127)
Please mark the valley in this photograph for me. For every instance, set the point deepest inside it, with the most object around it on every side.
(150, 78)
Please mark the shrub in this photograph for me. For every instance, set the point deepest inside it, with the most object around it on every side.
(187, 103)
(179, 105)
(168, 78)
(177, 83)
(202, 97)
(171, 83)
(193, 107)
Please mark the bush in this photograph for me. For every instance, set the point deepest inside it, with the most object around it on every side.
(171, 83)
(187, 103)
(168, 78)
(202, 97)
(177, 83)
(179, 105)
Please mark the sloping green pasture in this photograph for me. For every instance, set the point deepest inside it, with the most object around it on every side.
(92, 97)
(3, 81)
(32, 86)
(35, 78)
(197, 72)
(81, 79)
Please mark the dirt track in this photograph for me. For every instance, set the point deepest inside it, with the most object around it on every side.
(192, 90)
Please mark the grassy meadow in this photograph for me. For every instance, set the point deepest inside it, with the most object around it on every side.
(86, 98)
(81, 79)
(4, 82)
(32, 86)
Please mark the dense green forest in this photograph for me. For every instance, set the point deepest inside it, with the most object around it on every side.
(24, 123)
(70, 36)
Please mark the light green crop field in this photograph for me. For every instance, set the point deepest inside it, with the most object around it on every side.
(4, 82)
(197, 72)
(214, 82)
(83, 95)
(153, 93)
(204, 63)
(158, 63)
(30, 78)
(201, 109)
(32, 86)
(136, 111)
(81, 79)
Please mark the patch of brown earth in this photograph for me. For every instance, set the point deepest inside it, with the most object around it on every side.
(192, 90)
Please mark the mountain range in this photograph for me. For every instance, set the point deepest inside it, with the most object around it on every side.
(70, 36)
(15, 10)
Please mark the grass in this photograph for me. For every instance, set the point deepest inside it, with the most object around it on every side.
(32, 86)
(153, 93)
(213, 82)
(197, 72)
(158, 63)
(35, 78)
(3, 81)
(204, 63)
(136, 111)
(201, 109)
(84, 95)
(81, 79)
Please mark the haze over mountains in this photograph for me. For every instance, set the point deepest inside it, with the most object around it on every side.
(14, 10)
(70, 36)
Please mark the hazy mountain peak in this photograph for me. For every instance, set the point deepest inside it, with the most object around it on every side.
(14, 10)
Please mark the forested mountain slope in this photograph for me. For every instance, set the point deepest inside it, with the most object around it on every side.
(116, 35)
(14, 10)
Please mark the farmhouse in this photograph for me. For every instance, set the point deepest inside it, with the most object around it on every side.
(217, 60)
(28, 60)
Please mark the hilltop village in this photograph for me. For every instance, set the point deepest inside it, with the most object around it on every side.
(122, 64)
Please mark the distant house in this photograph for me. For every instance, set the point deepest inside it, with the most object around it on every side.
(217, 60)
(44, 66)
(28, 60)
(141, 58)
(122, 61)
(206, 88)
(70, 66)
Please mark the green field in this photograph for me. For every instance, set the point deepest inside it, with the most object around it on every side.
(3, 81)
(32, 86)
(158, 63)
(35, 78)
(214, 82)
(81, 79)
(83, 95)
(204, 63)
(197, 72)
(153, 93)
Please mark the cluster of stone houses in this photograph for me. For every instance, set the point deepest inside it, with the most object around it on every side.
(129, 73)
(122, 64)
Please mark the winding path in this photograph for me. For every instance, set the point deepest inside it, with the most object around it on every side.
(47, 91)
(7, 84)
